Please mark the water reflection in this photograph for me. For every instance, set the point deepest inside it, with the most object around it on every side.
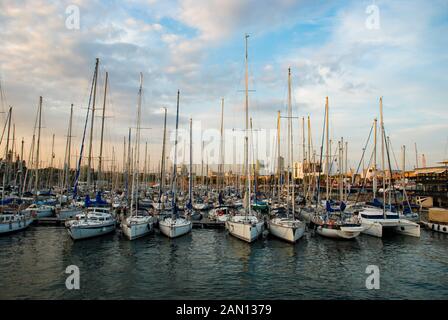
(211, 264)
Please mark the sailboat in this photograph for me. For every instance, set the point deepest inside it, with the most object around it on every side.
(162, 204)
(330, 222)
(38, 210)
(288, 228)
(70, 211)
(246, 225)
(11, 218)
(139, 223)
(376, 216)
(189, 209)
(220, 212)
(94, 221)
(174, 226)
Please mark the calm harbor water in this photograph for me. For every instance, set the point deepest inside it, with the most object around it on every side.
(210, 264)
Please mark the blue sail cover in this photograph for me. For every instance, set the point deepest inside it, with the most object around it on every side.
(6, 201)
(98, 202)
(329, 208)
(377, 203)
(87, 202)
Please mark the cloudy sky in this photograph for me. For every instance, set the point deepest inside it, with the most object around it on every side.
(351, 51)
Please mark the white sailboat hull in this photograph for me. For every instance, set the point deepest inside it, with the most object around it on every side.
(174, 228)
(286, 232)
(38, 213)
(408, 228)
(246, 231)
(68, 213)
(15, 226)
(342, 233)
(402, 226)
(79, 232)
(134, 230)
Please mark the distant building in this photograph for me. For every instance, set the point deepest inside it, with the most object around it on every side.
(302, 169)
(432, 182)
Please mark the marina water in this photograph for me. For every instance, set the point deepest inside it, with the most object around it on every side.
(210, 264)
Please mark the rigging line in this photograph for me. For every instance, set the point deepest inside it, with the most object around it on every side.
(404, 183)
(365, 178)
(4, 128)
(363, 153)
(333, 159)
(78, 169)
(391, 182)
(321, 154)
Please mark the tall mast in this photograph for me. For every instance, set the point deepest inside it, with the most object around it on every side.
(21, 166)
(309, 155)
(346, 170)
(341, 169)
(303, 155)
(383, 163)
(253, 159)
(135, 172)
(246, 142)
(124, 159)
(162, 165)
(6, 153)
(173, 183)
(327, 149)
(375, 125)
(149, 169)
(81, 152)
(36, 183)
(279, 171)
(13, 150)
(145, 165)
(221, 149)
(112, 170)
(89, 163)
(31, 162)
(291, 183)
(51, 162)
(190, 179)
(128, 167)
(68, 149)
(100, 160)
